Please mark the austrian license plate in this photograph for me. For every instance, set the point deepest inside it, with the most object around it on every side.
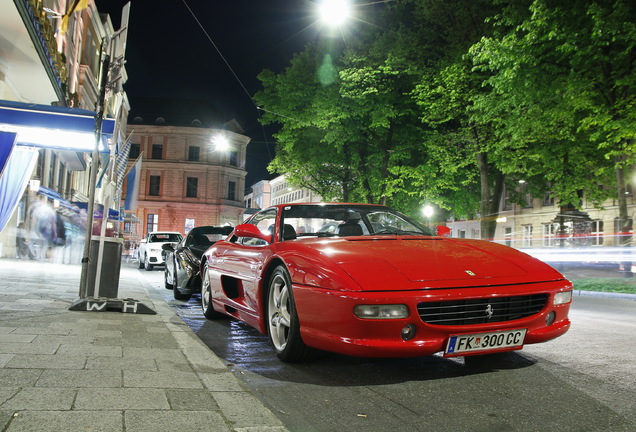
(490, 341)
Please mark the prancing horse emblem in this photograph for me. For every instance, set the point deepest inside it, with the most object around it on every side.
(489, 311)
(469, 273)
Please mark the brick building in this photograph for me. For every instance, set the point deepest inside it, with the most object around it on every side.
(185, 179)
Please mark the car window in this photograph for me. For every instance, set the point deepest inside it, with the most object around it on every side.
(344, 221)
(383, 222)
(324, 221)
(265, 221)
(165, 237)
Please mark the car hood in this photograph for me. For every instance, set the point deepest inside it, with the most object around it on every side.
(385, 263)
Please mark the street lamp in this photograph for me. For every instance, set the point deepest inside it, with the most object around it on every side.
(221, 143)
(428, 211)
(334, 12)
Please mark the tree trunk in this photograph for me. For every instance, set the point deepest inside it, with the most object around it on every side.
(490, 197)
(624, 222)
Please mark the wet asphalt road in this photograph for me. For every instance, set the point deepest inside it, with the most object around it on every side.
(583, 381)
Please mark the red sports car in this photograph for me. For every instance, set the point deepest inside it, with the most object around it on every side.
(365, 280)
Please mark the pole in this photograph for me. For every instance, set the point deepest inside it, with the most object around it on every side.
(99, 115)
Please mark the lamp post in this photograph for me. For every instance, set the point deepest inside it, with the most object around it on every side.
(334, 12)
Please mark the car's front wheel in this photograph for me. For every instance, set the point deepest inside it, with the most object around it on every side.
(283, 326)
(147, 264)
(165, 278)
(206, 297)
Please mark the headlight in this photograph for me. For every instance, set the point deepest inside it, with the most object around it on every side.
(397, 311)
(562, 297)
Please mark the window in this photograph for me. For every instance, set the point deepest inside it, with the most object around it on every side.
(508, 236)
(193, 153)
(157, 151)
(265, 221)
(548, 199)
(135, 149)
(526, 240)
(597, 233)
(234, 158)
(549, 234)
(152, 222)
(155, 185)
(231, 191)
(192, 184)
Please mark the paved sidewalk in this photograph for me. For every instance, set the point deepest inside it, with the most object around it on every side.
(63, 370)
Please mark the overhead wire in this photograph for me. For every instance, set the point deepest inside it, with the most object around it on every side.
(231, 70)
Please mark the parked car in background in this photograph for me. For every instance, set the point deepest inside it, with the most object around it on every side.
(150, 252)
(367, 281)
(183, 260)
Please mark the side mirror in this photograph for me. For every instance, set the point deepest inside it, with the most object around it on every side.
(167, 247)
(251, 231)
(143, 241)
(442, 231)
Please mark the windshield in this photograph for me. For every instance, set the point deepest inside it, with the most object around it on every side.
(349, 220)
(165, 237)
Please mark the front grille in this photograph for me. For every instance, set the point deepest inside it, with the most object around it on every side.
(482, 310)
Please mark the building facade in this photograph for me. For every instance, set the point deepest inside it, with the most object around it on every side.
(42, 64)
(538, 224)
(185, 181)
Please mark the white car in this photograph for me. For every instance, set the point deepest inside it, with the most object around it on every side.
(150, 252)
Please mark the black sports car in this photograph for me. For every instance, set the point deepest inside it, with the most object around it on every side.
(183, 259)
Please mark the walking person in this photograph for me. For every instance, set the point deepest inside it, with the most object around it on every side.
(22, 243)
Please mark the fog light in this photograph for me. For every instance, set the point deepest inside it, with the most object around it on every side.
(562, 297)
(408, 332)
(550, 318)
(397, 311)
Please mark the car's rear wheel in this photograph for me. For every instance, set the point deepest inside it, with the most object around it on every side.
(206, 297)
(283, 325)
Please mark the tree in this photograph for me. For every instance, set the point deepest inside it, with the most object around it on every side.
(563, 93)
(445, 94)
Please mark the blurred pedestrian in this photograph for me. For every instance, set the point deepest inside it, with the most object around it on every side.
(22, 243)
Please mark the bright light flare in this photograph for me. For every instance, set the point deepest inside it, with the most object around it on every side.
(221, 143)
(428, 211)
(54, 138)
(334, 12)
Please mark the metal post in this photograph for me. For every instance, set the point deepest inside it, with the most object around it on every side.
(99, 115)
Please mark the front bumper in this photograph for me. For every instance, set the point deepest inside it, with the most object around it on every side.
(155, 257)
(327, 320)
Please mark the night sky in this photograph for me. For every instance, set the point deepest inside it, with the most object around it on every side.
(169, 55)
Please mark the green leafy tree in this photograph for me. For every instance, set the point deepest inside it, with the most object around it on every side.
(461, 141)
(563, 93)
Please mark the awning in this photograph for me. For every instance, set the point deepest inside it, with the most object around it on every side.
(54, 127)
(55, 196)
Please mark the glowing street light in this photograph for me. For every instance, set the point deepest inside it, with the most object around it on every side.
(334, 12)
(428, 211)
(221, 143)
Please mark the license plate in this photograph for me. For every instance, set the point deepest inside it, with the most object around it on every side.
(465, 343)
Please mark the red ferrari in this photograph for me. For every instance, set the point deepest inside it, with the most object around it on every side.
(364, 280)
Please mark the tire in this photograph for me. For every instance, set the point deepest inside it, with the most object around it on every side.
(165, 279)
(178, 295)
(140, 262)
(206, 297)
(283, 327)
(147, 265)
